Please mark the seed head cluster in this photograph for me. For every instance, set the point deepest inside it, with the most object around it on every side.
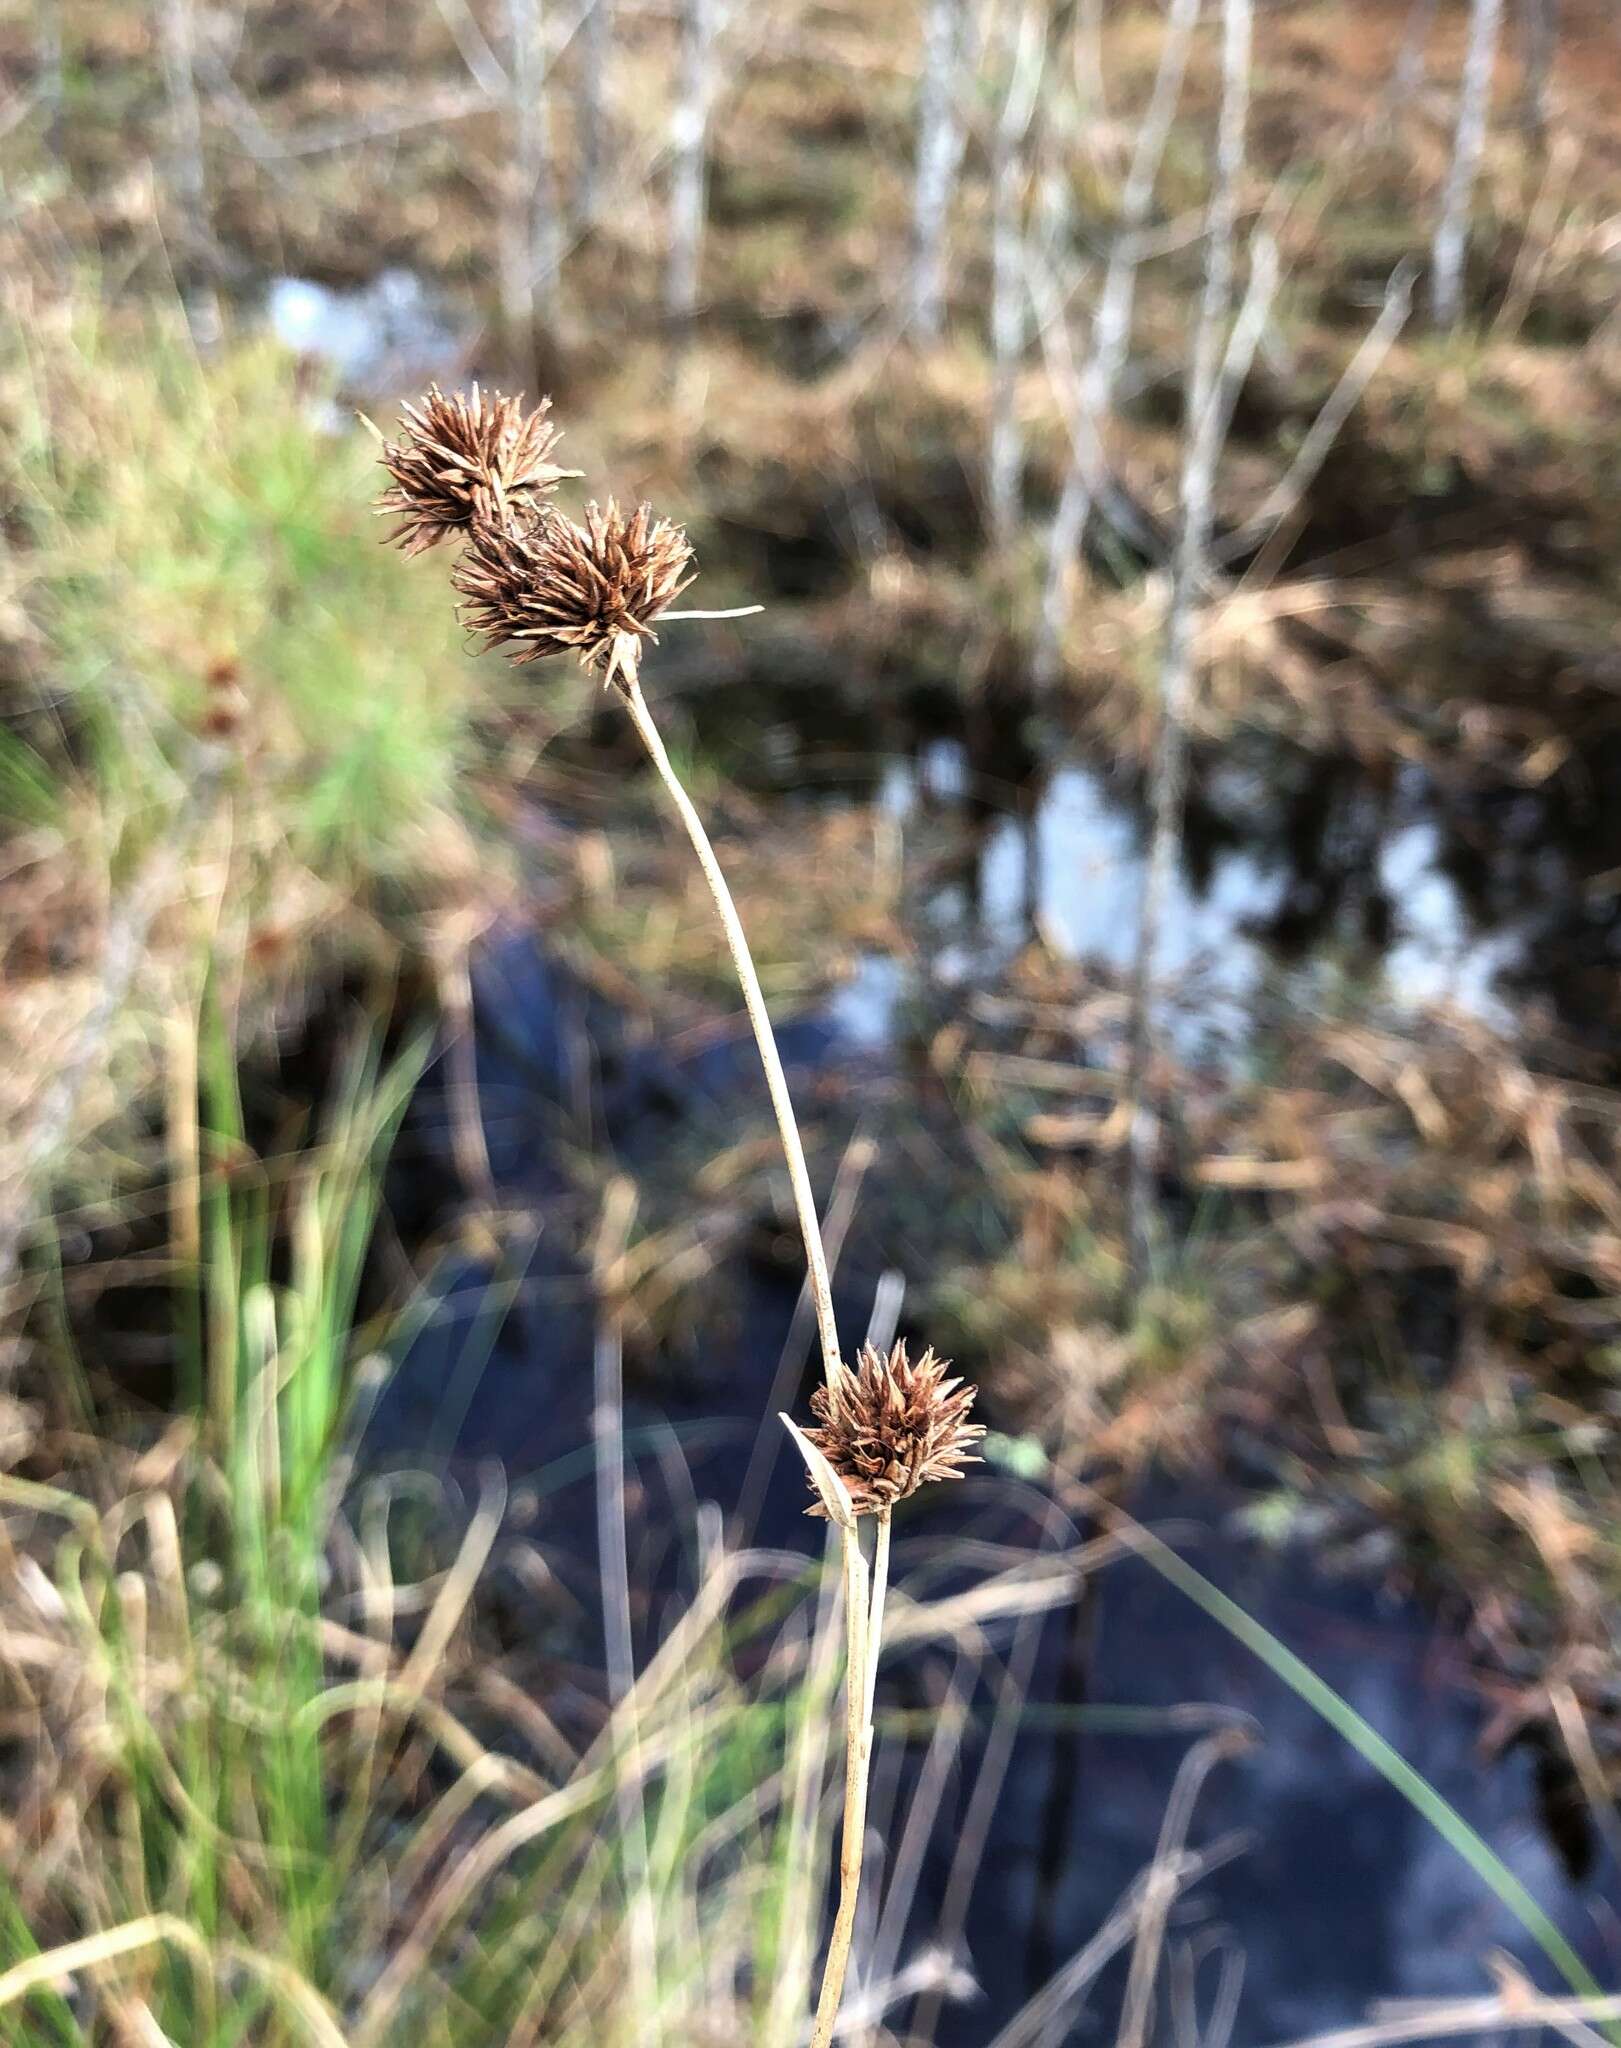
(479, 469)
(464, 463)
(553, 586)
(892, 1426)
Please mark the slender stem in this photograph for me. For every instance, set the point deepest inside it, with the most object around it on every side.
(608, 1429)
(630, 692)
(857, 1758)
(805, 1768)
(875, 1612)
(735, 611)
(863, 1608)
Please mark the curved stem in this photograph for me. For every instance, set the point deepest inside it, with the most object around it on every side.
(629, 688)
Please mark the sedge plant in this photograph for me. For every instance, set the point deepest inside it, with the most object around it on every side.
(478, 470)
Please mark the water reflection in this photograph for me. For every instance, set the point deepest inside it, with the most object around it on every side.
(1300, 878)
(1067, 870)
(392, 334)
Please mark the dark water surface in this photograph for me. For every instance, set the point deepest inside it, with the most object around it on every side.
(1333, 1891)
(1302, 880)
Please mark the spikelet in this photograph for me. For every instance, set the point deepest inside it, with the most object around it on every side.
(553, 586)
(892, 1427)
(461, 463)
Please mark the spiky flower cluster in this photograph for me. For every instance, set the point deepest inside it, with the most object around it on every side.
(892, 1426)
(553, 586)
(465, 463)
(530, 579)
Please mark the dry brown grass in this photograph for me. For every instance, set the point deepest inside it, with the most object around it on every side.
(1405, 1275)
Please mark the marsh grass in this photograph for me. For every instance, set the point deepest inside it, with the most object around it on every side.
(173, 1676)
(208, 749)
(192, 534)
(244, 1729)
(285, 1766)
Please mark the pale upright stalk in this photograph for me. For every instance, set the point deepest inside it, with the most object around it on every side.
(1203, 431)
(1541, 31)
(613, 1555)
(1468, 142)
(939, 152)
(860, 1629)
(1111, 338)
(689, 162)
(803, 1775)
(875, 1623)
(530, 250)
(1009, 169)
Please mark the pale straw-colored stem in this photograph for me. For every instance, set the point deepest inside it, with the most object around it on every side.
(864, 1604)
(629, 688)
(857, 1759)
(875, 1612)
(736, 611)
(865, 1613)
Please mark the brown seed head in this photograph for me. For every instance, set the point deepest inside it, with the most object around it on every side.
(893, 1426)
(461, 463)
(554, 587)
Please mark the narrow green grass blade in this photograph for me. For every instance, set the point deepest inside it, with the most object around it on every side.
(30, 794)
(51, 2023)
(1366, 1740)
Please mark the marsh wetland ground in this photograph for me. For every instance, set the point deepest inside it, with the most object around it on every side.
(408, 1623)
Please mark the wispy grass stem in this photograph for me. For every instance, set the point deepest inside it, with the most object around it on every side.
(857, 1763)
(1366, 1740)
